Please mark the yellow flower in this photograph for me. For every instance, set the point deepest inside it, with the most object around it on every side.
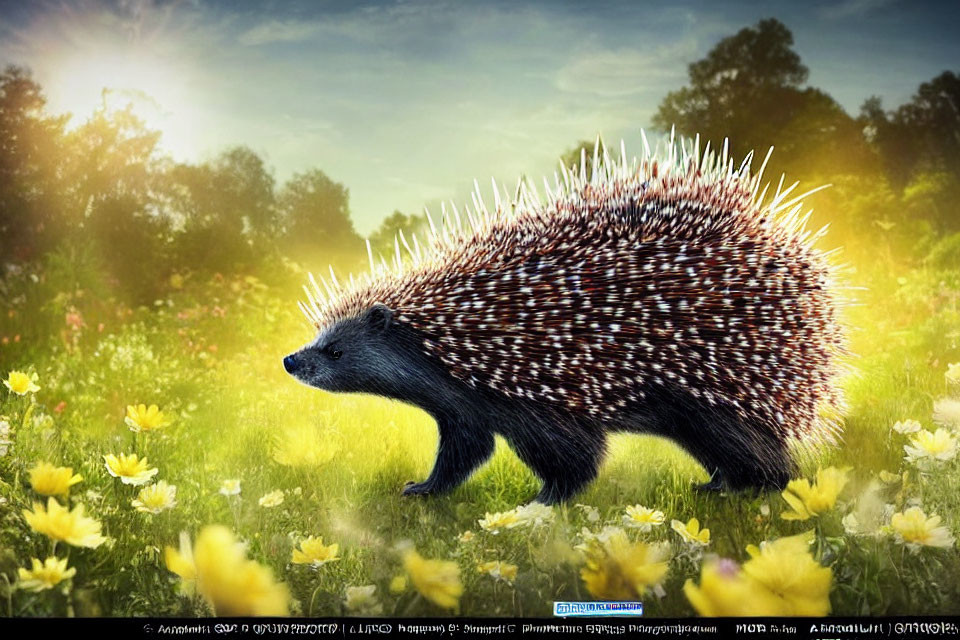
(218, 569)
(181, 563)
(272, 499)
(640, 517)
(787, 570)
(437, 580)
(313, 551)
(361, 600)
(953, 373)
(156, 498)
(938, 445)
(499, 570)
(45, 575)
(691, 532)
(620, 570)
(230, 487)
(809, 500)
(21, 383)
(129, 468)
(57, 523)
(494, 522)
(48, 480)
(725, 590)
(466, 537)
(140, 418)
(398, 585)
(907, 426)
(914, 529)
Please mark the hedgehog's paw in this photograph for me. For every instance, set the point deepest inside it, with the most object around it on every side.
(714, 485)
(416, 489)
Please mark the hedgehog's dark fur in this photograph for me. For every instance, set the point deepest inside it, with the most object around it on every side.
(658, 297)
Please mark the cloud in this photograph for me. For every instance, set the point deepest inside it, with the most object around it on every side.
(279, 31)
(613, 73)
(852, 8)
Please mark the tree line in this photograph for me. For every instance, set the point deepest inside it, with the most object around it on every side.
(103, 189)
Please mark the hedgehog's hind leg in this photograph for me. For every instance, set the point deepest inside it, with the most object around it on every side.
(755, 459)
(462, 448)
(737, 453)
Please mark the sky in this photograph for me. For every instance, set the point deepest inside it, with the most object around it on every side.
(406, 103)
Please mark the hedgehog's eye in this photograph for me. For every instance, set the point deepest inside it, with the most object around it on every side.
(332, 352)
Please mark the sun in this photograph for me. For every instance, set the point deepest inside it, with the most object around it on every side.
(158, 92)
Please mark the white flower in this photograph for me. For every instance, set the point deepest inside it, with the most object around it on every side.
(907, 426)
(5, 439)
(642, 518)
(230, 487)
(850, 524)
(535, 514)
(914, 529)
(946, 413)
(603, 536)
(953, 373)
(592, 513)
(926, 446)
(155, 498)
(869, 514)
(272, 499)
(361, 600)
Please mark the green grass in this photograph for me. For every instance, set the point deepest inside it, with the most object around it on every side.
(342, 460)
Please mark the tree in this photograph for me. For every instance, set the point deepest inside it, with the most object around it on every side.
(383, 238)
(749, 89)
(920, 136)
(29, 157)
(315, 216)
(111, 155)
(111, 177)
(225, 209)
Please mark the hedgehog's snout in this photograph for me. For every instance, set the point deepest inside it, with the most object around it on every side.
(292, 363)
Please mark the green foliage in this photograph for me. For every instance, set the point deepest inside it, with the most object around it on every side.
(383, 239)
(29, 141)
(104, 185)
(920, 136)
(749, 90)
(315, 214)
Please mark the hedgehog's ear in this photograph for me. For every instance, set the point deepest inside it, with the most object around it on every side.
(380, 316)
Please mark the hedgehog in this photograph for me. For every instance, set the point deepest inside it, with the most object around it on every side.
(662, 295)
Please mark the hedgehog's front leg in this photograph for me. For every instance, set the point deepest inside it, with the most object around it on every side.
(462, 448)
(563, 452)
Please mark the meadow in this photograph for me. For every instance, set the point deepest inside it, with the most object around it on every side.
(155, 458)
(279, 466)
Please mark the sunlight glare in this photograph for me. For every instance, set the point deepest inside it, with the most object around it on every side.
(158, 93)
